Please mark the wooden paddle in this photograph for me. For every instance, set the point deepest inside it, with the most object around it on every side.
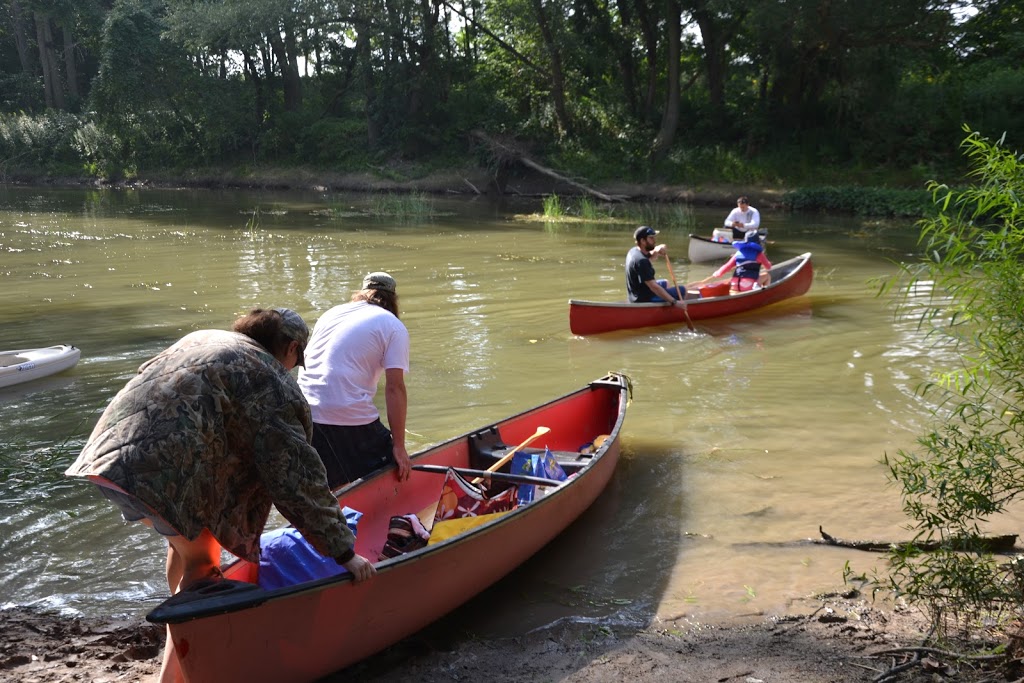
(487, 474)
(541, 431)
(668, 264)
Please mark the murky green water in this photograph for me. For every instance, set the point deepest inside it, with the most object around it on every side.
(742, 435)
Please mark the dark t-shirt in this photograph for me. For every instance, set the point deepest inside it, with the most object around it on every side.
(638, 271)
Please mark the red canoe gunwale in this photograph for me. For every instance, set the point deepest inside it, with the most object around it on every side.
(304, 632)
(790, 279)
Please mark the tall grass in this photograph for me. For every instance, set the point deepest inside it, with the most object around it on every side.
(678, 217)
(581, 209)
(404, 207)
(589, 210)
(553, 207)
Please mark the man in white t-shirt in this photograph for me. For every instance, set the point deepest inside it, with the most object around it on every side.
(743, 219)
(352, 345)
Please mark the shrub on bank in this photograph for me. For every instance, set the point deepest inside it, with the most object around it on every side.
(862, 201)
(42, 143)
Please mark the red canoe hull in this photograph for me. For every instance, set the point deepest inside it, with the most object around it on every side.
(302, 635)
(791, 278)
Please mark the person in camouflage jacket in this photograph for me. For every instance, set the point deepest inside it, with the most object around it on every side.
(202, 441)
(210, 433)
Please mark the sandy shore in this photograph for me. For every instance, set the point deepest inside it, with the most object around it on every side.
(826, 639)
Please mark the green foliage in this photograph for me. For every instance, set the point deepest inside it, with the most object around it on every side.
(20, 92)
(861, 201)
(101, 152)
(334, 143)
(588, 210)
(993, 98)
(174, 84)
(553, 206)
(967, 294)
(44, 143)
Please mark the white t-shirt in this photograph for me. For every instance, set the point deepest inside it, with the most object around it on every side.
(751, 218)
(350, 348)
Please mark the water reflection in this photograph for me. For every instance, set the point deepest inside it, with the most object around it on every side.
(752, 429)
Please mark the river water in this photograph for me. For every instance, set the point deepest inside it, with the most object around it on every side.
(743, 437)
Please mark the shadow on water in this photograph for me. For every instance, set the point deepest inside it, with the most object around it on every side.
(567, 582)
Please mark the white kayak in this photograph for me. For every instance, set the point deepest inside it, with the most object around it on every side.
(26, 365)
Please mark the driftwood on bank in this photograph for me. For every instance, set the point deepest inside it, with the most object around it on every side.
(507, 156)
(991, 544)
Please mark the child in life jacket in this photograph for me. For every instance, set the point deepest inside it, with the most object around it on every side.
(747, 260)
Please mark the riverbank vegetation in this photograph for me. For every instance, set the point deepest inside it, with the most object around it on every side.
(828, 96)
(968, 296)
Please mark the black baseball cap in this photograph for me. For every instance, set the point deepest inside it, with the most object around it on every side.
(644, 231)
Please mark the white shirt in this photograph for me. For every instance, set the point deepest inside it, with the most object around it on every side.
(751, 218)
(350, 348)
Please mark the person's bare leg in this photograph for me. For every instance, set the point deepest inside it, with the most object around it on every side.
(197, 559)
(175, 568)
(187, 562)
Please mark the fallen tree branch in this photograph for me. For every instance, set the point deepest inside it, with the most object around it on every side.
(506, 154)
(991, 544)
(893, 671)
(937, 651)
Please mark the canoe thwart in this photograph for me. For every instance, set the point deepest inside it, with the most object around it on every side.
(484, 474)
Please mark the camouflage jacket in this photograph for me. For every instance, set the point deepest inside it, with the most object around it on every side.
(209, 434)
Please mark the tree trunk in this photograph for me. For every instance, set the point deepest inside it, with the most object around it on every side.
(616, 44)
(252, 75)
(292, 77)
(557, 75)
(713, 37)
(369, 82)
(425, 85)
(70, 68)
(649, 31)
(28, 66)
(289, 75)
(53, 92)
(670, 118)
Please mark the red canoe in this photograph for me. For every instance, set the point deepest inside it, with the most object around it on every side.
(789, 279)
(306, 631)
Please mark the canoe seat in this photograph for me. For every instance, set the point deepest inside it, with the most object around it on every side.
(486, 448)
(7, 361)
(717, 289)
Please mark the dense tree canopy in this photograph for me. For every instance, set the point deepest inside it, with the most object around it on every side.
(677, 88)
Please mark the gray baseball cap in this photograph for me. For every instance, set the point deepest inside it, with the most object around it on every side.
(379, 280)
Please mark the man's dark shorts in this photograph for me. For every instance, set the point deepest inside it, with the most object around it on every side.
(349, 453)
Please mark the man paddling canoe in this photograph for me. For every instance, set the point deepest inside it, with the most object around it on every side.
(641, 285)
